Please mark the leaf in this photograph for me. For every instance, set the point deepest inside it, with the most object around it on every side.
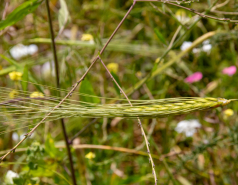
(160, 36)
(12, 62)
(87, 88)
(33, 80)
(7, 70)
(19, 13)
(24, 83)
(63, 14)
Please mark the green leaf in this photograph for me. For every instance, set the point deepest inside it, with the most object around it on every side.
(7, 70)
(24, 81)
(87, 88)
(160, 36)
(12, 62)
(19, 13)
(63, 14)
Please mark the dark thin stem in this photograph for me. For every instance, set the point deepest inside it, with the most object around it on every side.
(58, 86)
(139, 122)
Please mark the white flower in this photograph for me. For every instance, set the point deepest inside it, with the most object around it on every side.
(188, 127)
(206, 46)
(32, 49)
(185, 45)
(9, 177)
(48, 69)
(21, 50)
(15, 136)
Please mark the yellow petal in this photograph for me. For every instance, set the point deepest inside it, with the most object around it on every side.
(113, 67)
(87, 37)
(15, 76)
(13, 94)
(90, 155)
(228, 112)
(36, 95)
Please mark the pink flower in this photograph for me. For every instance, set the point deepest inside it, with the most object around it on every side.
(229, 70)
(195, 77)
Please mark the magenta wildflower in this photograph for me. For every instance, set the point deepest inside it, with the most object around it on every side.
(229, 70)
(195, 77)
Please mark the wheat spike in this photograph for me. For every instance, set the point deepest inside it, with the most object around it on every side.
(153, 108)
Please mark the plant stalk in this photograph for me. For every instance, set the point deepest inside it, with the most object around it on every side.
(58, 86)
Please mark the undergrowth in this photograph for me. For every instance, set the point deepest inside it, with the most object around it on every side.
(161, 50)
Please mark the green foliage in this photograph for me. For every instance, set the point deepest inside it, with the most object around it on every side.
(87, 88)
(142, 40)
(63, 14)
(19, 13)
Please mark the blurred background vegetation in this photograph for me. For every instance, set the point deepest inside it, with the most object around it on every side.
(153, 35)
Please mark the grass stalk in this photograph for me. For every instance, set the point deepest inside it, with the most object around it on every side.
(58, 86)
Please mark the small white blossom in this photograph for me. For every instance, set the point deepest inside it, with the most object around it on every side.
(48, 69)
(188, 127)
(15, 136)
(206, 46)
(185, 45)
(21, 50)
(9, 177)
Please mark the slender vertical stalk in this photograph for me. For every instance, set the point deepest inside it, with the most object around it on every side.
(139, 123)
(58, 86)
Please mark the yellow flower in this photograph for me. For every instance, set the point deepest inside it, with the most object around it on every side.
(228, 112)
(90, 155)
(36, 95)
(87, 37)
(13, 94)
(15, 76)
(113, 67)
